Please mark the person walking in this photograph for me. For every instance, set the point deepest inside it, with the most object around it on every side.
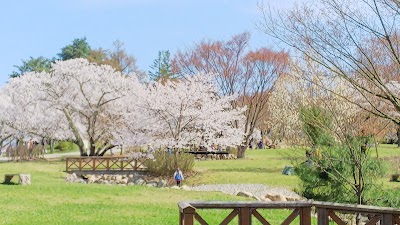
(178, 176)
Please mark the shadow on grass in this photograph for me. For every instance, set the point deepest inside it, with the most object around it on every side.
(249, 170)
(9, 183)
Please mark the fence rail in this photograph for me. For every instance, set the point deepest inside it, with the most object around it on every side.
(110, 163)
(326, 212)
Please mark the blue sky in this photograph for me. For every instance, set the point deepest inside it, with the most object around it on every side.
(43, 27)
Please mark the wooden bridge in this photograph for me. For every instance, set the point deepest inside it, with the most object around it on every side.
(326, 213)
(103, 164)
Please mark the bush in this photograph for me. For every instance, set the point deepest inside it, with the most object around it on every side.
(64, 146)
(165, 164)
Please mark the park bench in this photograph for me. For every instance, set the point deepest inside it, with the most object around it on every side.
(24, 179)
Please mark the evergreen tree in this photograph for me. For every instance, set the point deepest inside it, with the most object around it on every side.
(32, 65)
(79, 48)
(161, 68)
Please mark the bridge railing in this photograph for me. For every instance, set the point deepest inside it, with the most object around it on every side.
(110, 163)
(326, 213)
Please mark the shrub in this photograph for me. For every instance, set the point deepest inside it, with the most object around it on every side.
(164, 164)
(63, 146)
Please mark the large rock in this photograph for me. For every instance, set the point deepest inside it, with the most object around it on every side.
(175, 187)
(91, 179)
(186, 188)
(124, 181)
(140, 181)
(266, 199)
(276, 197)
(257, 198)
(25, 179)
(292, 198)
(244, 194)
(151, 184)
(118, 178)
(162, 183)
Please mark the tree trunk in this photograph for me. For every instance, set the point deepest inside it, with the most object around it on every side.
(241, 151)
(92, 147)
(51, 145)
(398, 135)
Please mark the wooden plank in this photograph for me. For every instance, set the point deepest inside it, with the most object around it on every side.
(244, 216)
(250, 204)
(230, 217)
(188, 212)
(387, 219)
(259, 217)
(200, 219)
(322, 216)
(305, 216)
(188, 219)
(8, 178)
(374, 220)
(396, 219)
(291, 217)
(336, 218)
(354, 208)
(66, 165)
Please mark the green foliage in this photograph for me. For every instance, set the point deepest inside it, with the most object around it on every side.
(316, 124)
(161, 68)
(65, 146)
(32, 65)
(164, 164)
(391, 198)
(78, 49)
(338, 171)
(340, 166)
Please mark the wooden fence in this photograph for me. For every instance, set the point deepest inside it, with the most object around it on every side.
(326, 213)
(110, 163)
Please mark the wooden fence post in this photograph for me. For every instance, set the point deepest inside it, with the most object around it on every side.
(188, 215)
(387, 219)
(244, 216)
(323, 216)
(305, 216)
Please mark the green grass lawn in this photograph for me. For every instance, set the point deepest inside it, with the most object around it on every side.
(50, 200)
(260, 167)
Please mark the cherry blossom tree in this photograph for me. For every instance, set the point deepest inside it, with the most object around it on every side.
(250, 75)
(189, 112)
(97, 108)
(77, 101)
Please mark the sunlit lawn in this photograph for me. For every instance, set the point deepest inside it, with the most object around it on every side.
(50, 200)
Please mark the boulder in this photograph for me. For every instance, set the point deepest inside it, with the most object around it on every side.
(257, 198)
(140, 181)
(151, 184)
(244, 194)
(185, 187)
(162, 183)
(91, 180)
(25, 179)
(276, 197)
(175, 187)
(118, 177)
(267, 200)
(124, 181)
(292, 198)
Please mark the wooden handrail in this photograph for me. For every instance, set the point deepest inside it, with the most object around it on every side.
(246, 211)
(103, 163)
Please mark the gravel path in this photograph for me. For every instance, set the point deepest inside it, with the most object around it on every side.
(256, 189)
